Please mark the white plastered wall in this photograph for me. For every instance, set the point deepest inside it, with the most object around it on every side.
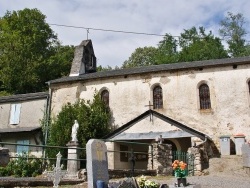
(128, 97)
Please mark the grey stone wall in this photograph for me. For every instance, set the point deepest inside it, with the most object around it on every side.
(4, 156)
(161, 156)
(200, 159)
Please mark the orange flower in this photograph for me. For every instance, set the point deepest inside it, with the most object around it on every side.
(175, 166)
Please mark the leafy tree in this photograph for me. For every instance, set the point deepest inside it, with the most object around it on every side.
(29, 52)
(167, 50)
(94, 122)
(192, 45)
(141, 57)
(57, 65)
(233, 31)
(197, 45)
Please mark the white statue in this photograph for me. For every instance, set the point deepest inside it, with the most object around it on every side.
(74, 131)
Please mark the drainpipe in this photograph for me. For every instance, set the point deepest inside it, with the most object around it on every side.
(203, 141)
(48, 111)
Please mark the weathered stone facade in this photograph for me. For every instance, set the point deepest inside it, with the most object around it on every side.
(131, 95)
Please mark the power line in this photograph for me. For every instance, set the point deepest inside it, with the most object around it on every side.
(115, 31)
(109, 30)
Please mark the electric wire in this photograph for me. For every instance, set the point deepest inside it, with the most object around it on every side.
(117, 31)
(109, 30)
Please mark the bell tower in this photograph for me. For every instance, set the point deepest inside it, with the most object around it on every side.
(84, 59)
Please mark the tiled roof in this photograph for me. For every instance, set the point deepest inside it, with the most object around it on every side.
(156, 68)
(24, 97)
(19, 129)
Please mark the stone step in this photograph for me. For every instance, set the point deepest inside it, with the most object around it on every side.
(226, 164)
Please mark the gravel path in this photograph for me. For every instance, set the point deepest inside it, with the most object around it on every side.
(214, 181)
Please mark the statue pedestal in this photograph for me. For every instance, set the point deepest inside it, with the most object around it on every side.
(73, 164)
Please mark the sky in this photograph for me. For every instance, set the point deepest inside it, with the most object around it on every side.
(141, 16)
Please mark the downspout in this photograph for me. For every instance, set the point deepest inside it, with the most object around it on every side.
(203, 141)
(48, 111)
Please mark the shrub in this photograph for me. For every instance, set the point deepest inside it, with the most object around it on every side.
(22, 167)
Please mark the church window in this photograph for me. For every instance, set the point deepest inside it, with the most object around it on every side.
(204, 95)
(157, 97)
(249, 86)
(105, 97)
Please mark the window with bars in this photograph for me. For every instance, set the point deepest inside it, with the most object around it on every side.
(249, 86)
(105, 97)
(204, 95)
(157, 98)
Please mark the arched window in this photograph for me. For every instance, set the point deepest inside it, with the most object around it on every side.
(249, 86)
(157, 97)
(204, 95)
(105, 97)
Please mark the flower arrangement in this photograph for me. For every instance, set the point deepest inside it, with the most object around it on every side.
(144, 183)
(179, 168)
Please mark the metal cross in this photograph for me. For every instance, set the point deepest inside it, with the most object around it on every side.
(149, 105)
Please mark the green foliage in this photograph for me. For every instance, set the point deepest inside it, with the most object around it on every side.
(233, 31)
(141, 57)
(22, 167)
(30, 53)
(167, 50)
(192, 45)
(197, 46)
(94, 122)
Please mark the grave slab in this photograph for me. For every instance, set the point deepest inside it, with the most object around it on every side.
(97, 164)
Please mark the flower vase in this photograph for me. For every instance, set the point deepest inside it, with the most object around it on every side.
(182, 181)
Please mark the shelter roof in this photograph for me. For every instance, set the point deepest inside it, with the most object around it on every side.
(185, 131)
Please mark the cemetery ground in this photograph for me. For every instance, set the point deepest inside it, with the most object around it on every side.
(223, 172)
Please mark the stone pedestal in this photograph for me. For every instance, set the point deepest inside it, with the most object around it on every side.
(73, 165)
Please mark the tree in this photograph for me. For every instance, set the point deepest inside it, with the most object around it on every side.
(192, 45)
(197, 45)
(94, 122)
(142, 57)
(57, 65)
(167, 50)
(29, 51)
(233, 31)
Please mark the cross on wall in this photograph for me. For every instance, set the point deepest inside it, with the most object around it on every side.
(149, 106)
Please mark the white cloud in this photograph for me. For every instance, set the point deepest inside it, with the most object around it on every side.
(160, 16)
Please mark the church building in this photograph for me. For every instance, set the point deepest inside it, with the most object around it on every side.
(183, 104)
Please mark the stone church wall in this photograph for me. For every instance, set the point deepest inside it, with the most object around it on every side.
(128, 97)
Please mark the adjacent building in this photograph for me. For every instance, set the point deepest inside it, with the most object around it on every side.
(21, 117)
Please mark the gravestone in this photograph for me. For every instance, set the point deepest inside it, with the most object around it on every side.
(57, 174)
(97, 164)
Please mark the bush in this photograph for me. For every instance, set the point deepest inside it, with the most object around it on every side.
(22, 167)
